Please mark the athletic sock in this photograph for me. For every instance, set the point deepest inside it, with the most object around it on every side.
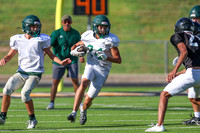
(74, 112)
(197, 114)
(3, 115)
(32, 117)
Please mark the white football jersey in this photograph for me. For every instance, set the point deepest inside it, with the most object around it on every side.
(105, 43)
(30, 51)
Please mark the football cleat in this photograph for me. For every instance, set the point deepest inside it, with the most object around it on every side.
(31, 123)
(2, 120)
(71, 117)
(50, 106)
(156, 128)
(192, 121)
(83, 117)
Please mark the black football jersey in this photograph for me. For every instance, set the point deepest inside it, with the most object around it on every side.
(192, 43)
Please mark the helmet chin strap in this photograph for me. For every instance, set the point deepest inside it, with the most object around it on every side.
(33, 34)
(36, 35)
(101, 35)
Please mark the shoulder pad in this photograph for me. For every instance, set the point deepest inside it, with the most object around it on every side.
(86, 36)
(17, 36)
(45, 37)
(113, 39)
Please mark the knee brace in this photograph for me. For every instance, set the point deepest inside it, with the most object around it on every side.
(25, 96)
(14, 82)
(7, 91)
(9, 87)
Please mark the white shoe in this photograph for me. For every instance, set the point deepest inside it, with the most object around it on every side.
(50, 106)
(31, 124)
(156, 128)
(71, 117)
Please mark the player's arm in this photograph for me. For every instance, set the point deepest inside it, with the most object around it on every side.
(8, 57)
(79, 50)
(77, 44)
(116, 58)
(183, 53)
(81, 59)
(55, 58)
(181, 72)
(45, 52)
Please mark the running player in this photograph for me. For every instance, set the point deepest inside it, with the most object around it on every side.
(103, 51)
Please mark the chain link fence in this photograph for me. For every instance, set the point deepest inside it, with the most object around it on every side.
(138, 56)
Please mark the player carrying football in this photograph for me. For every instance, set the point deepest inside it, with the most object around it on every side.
(103, 50)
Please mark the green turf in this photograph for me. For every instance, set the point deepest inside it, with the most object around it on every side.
(106, 115)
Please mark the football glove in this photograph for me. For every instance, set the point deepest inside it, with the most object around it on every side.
(77, 52)
(101, 55)
(175, 61)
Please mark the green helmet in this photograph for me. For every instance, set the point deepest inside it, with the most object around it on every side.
(31, 20)
(195, 12)
(184, 24)
(101, 20)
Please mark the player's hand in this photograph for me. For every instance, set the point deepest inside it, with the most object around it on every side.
(2, 62)
(171, 76)
(66, 61)
(81, 59)
(77, 52)
(101, 55)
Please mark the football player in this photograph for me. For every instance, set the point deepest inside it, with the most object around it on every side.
(187, 46)
(195, 120)
(103, 51)
(30, 48)
(195, 14)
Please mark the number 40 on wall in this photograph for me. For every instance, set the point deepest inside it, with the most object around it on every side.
(90, 7)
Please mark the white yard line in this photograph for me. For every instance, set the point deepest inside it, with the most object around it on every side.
(99, 129)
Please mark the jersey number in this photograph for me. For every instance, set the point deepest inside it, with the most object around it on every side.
(192, 42)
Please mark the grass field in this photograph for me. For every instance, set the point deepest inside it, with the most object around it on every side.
(106, 115)
(130, 19)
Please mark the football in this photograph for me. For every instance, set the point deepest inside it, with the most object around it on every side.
(79, 51)
(82, 49)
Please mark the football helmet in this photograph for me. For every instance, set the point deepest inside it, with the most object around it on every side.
(103, 21)
(184, 24)
(28, 22)
(196, 28)
(195, 12)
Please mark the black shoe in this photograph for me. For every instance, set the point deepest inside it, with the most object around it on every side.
(71, 117)
(193, 121)
(2, 120)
